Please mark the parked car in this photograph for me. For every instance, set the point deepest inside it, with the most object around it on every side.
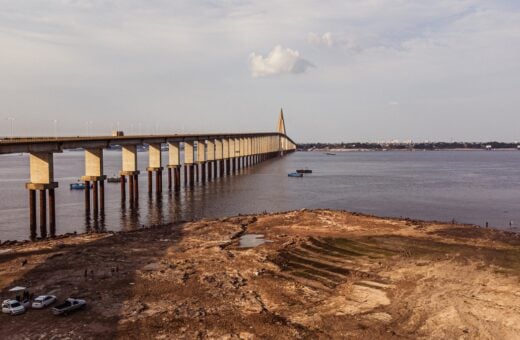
(12, 307)
(43, 301)
(68, 306)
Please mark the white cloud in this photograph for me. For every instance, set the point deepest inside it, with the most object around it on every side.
(279, 61)
(325, 39)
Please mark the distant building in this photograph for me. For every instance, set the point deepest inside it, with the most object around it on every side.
(488, 147)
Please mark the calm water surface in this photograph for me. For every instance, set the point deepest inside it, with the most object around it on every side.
(471, 187)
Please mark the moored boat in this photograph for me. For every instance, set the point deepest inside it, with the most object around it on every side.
(304, 171)
(295, 174)
(114, 179)
(78, 186)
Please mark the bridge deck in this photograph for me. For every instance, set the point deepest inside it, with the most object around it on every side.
(57, 144)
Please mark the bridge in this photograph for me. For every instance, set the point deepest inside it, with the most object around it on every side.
(206, 156)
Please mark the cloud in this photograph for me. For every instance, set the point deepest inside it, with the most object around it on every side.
(279, 61)
(326, 39)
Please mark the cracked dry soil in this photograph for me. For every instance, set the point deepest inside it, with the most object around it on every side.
(325, 274)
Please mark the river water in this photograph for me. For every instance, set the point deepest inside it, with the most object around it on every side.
(468, 186)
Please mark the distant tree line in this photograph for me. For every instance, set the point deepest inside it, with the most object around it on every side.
(408, 146)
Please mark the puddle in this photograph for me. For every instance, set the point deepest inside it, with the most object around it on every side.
(251, 240)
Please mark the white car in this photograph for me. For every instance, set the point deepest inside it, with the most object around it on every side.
(43, 301)
(12, 307)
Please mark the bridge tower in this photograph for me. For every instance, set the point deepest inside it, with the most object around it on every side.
(281, 129)
(281, 123)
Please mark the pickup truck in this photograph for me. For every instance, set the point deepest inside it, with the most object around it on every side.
(68, 306)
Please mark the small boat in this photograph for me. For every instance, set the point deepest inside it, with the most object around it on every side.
(304, 171)
(330, 154)
(295, 174)
(77, 186)
(114, 179)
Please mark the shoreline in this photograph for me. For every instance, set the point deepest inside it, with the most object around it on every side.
(7, 243)
(407, 150)
(323, 273)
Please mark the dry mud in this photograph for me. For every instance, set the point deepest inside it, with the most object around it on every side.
(325, 274)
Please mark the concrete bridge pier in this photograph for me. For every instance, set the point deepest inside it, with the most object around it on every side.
(174, 165)
(42, 180)
(154, 167)
(201, 160)
(189, 168)
(210, 158)
(226, 157)
(129, 169)
(195, 168)
(177, 178)
(94, 176)
(219, 153)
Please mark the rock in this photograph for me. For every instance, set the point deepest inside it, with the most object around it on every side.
(152, 267)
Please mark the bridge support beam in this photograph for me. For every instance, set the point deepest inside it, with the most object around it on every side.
(129, 169)
(219, 153)
(154, 166)
(189, 175)
(226, 159)
(210, 158)
(42, 180)
(201, 159)
(174, 163)
(94, 176)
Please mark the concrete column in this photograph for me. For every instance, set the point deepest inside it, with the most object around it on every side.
(123, 186)
(219, 156)
(32, 214)
(210, 157)
(169, 178)
(129, 169)
(43, 213)
(87, 197)
(94, 174)
(232, 154)
(136, 187)
(177, 178)
(174, 162)
(225, 148)
(41, 179)
(95, 197)
(188, 161)
(201, 159)
(237, 153)
(131, 187)
(158, 181)
(243, 151)
(154, 166)
(102, 196)
(52, 213)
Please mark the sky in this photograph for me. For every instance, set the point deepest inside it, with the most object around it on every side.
(343, 70)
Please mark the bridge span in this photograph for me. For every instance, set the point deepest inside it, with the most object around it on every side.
(205, 157)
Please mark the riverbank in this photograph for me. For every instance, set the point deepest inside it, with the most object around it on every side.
(322, 274)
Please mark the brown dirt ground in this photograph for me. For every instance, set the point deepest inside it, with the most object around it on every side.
(325, 274)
